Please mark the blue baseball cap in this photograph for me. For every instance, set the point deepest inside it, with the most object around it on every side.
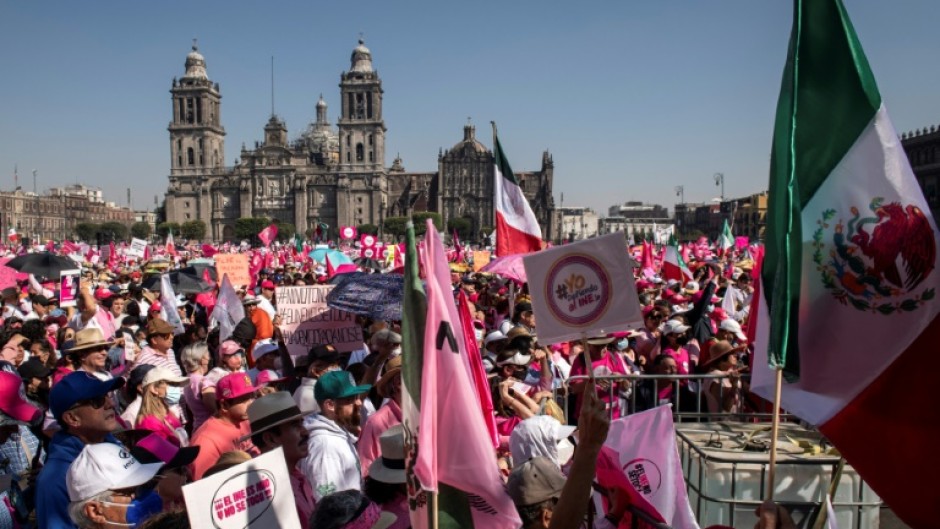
(337, 385)
(76, 387)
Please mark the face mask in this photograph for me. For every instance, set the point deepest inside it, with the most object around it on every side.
(396, 351)
(623, 344)
(173, 395)
(478, 333)
(682, 340)
(140, 509)
(277, 364)
(709, 308)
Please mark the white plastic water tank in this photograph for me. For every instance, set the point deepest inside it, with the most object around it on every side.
(726, 482)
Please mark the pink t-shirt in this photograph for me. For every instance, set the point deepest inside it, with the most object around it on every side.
(214, 438)
(609, 364)
(165, 428)
(192, 395)
(368, 446)
(682, 359)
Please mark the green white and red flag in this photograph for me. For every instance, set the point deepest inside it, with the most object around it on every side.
(848, 308)
(517, 228)
(674, 266)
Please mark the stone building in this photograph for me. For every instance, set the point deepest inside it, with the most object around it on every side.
(746, 216)
(923, 150)
(54, 214)
(334, 176)
(578, 223)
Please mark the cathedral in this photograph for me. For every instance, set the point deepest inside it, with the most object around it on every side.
(326, 176)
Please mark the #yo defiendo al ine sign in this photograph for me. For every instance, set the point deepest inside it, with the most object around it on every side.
(583, 289)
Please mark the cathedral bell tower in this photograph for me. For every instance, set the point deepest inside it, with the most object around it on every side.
(197, 139)
(361, 129)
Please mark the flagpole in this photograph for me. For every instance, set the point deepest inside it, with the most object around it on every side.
(774, 430)
(434, 517)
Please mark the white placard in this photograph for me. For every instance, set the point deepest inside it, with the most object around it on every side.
(583, 289)
(256, 493)
(68, 287)
(137, 248)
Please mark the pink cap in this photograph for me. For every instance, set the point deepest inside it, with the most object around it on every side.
(234, 385)
(269, 376)
(268, 284)
(11, 402)
(155, 307)
(102, 294)
(230, 347)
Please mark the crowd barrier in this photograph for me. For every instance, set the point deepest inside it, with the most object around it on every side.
(689, 403)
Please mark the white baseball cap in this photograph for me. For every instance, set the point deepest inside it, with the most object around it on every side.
(106, 466)
(539, 435)
(162, 374)
(733, 327)
(674, 327)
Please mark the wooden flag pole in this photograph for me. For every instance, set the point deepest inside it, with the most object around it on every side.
(434, 519)
(774, 431)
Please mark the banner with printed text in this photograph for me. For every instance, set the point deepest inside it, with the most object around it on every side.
(137, 248)
(256, 493)
(583, 289)
(307, 321)
(68, 287)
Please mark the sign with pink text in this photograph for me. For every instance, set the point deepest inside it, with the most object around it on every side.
(68, 287)
(256, 493)
(583, 289)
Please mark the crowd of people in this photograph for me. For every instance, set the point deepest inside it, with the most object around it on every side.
(107, 410)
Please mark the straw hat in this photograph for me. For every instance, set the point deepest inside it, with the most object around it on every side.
(88, 338)
(392, 368)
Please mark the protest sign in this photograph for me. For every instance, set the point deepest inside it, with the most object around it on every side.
(256, 493)
(481, 258)
(235, 265)
(137, 248)
(307, 321)
(68, 287)
(583, 289)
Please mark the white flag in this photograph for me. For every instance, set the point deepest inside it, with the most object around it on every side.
(646, 444)
(168, 308)
(228, 309)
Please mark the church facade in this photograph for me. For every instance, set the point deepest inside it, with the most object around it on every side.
(325, 175)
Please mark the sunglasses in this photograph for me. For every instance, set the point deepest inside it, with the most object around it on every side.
(655, 316)
(96, 403)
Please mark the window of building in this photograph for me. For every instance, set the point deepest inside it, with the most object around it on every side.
(347, 157)
(360, 152)
(359, 211)
(370, 156)
(191, 156)
(188, 216)
(185, 203)
(359, 200)
(370, 139)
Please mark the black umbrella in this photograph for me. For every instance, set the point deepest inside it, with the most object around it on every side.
(42, 264)
(378, 296)
(366, 262)
(182, 282)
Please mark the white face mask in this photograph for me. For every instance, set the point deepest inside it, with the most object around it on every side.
(173, 395)
(478, 333)
(396, 351)
(709, 308)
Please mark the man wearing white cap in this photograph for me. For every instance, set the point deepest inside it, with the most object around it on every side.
(102, 483)
(264, 356)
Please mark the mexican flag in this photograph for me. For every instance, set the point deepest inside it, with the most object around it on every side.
(170, 244)
(12, 235)
(517, 229)
(848, 308)
(674, 266)
(725, 238)
(448, 446)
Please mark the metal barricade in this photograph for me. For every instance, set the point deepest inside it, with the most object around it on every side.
(687, 398)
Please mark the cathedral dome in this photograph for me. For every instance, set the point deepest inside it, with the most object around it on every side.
(361, 59)
(469, 142)
(195, 65)
(321, 103)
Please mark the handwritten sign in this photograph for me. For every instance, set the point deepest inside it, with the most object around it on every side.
(256, 493)
(235, 265)
(307, 321)
(481, 258)
(137, 248)
(584, 288)
(68, 287)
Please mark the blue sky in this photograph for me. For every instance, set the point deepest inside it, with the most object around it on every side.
(633, 98)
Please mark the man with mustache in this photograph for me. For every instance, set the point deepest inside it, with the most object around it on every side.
(332, 463)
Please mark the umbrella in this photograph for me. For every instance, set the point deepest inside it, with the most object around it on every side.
(509, 266)
(183, 283)
(377, 296)
(336, 257)
(42, 264)
(366, 262)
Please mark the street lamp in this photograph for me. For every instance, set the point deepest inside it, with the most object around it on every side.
(720, 181)
(680, 192)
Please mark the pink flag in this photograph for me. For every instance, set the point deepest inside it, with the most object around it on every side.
(646, 453)
(477, 371)
(611, 477)
(268, 234)
(455, 449)
(208, 250)
(741, 242)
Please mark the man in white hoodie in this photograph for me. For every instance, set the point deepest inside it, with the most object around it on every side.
(332, 463)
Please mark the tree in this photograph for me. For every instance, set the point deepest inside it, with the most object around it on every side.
(87, 231)
(367, 229)
(164, 228)
(395, 226)
(422, 216)
(462, 225)
(285, 231)
(193, 229)
(113, 231)
(140, 230)
(249, 227)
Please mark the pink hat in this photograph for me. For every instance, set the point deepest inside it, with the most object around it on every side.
(698, 295)
(230, 347)
(102, 294)
(268, 284)
(234, 385)
(269, 376)
(155, 307)
(12, 404)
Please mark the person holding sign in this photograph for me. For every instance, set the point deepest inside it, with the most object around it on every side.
(603, 363)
